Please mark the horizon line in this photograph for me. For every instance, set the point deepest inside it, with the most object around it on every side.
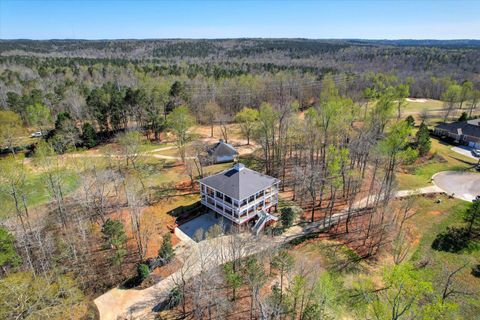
(239, 38)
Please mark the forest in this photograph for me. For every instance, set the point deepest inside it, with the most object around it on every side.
(88, 207)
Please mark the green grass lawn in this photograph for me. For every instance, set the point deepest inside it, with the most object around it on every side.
(37, 192)
(430, 220)
(434, 109)
(419, 175)
(429, 105)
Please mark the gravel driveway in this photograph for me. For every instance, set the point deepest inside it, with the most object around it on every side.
(463, 185)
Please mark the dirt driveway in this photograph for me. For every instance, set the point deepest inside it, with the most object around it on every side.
(204, 255)
(463, 185)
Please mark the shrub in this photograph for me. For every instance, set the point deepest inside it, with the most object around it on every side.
(476, 271)
(142, 271)
(166, 249)
(288, 216)
(174, 297)
(463, 117)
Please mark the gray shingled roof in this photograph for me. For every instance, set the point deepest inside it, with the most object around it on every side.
(222, 149)
(468, 127)
(239, 184)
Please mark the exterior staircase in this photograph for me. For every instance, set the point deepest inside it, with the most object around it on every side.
(263, 218)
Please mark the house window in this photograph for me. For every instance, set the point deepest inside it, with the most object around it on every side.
(228, 199)
(235, 203)
(244, 202)
(219, 206)
(219, 195)
(260, 205)
(210, 191)
(243, 213)
(228, 211)
(251, 199)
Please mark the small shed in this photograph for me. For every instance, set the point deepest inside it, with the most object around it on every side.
(222, 152)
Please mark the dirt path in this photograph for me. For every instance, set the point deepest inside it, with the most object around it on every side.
(151, 153)
(197, 257)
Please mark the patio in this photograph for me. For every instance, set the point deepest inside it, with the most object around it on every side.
(196, 228)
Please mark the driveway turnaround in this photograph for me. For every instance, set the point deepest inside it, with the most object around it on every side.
(462, 185)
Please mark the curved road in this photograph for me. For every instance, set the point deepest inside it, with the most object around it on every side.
(462, 185)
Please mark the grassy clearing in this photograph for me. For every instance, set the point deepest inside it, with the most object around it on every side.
(159, 171)
(418, 107)
(434, 109)
(444, 159)
(233, 131)
(37, 192)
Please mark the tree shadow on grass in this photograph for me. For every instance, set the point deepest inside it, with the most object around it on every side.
(455, 240)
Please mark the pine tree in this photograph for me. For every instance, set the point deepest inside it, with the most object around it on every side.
(166, 250)
(89, 136)
(234, 279)
(423, 140)
(410, 120)
(8, 255)
(113, 233)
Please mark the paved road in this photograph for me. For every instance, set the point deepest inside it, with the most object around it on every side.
(198, 257)
(463, 185)
(466, 151)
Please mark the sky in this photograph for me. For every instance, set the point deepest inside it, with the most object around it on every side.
(122, 19)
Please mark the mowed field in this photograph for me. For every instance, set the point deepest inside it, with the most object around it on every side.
(434, 109)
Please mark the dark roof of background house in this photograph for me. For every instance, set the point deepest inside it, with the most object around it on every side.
(470, 127)
(239, 182)
(222, 149)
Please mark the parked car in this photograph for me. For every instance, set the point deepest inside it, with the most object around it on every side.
(37, 134)
(476, 152)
